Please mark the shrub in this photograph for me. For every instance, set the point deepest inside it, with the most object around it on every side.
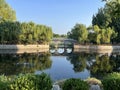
(75, 84)
(4, 82)
(111, 82)
(43, 82)
(23, 82)
(31, 82)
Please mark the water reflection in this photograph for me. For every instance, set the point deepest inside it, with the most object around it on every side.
(72, 65)
(103, 65)
(78, 61)
(61, 51)
(12, 64)
(98, 64)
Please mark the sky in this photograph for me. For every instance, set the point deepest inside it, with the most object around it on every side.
(60, 15)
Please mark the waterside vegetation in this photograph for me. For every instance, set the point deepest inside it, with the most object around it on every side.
(105, 28)
(44, 82)
(15, 32)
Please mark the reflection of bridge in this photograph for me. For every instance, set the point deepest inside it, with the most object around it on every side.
(61, 51)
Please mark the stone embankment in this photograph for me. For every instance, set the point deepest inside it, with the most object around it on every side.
(23, 48)
(97, 48)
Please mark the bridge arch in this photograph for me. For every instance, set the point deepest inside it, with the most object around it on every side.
(62, 42)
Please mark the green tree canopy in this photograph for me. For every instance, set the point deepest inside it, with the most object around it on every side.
(101, 36)
(109, 16)
(6, 12)
(101, 19)
(79, 33)
(24, 33)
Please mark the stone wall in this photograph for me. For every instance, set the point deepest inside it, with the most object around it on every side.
(23, 48)
(19, 47)
(97, 48)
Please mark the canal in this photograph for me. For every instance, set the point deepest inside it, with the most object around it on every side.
(60, 64)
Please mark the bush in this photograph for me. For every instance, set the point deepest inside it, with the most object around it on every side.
(111, 82)
(4, 82)
(43, 82)
(75, 84)
(23, 82)
(32, 82)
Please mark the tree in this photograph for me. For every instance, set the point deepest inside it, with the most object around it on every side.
(79, 33)
(113, 8)
(100, 19)
(24, 33)
(6, 12)
(101, 36)
(9, 32)
(109, 17)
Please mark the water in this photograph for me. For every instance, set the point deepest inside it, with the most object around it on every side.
(62, 69)
(60, 65)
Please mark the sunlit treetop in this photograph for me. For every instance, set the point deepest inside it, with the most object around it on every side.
(6, 12)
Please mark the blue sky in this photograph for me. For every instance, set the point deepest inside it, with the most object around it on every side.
(61, 15)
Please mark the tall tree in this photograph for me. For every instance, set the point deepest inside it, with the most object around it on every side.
(6, 12)
(101, 36)
(101, 19)
(79, 33)
(111, 13)
(113, 9)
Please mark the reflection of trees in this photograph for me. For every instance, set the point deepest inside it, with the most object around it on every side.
(7, 64)
(98, 64)
(24, 63)
(116, 59)
(78, 61)
(102, 65)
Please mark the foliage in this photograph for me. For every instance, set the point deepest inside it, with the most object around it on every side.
(12, 32)
(75, 84)
(59, 36)
(43, 82)
(32, 33)
(109, 16)
(31, 82)
(24, 63)
(23, 82)
(100, 19)
(24, 33)
(102, 36)
(96, 34)
(111, 82)
(6, 12)
(79, 33)
(9, 32)
(4, 82)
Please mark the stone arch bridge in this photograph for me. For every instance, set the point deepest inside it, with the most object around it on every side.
(62, 42)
